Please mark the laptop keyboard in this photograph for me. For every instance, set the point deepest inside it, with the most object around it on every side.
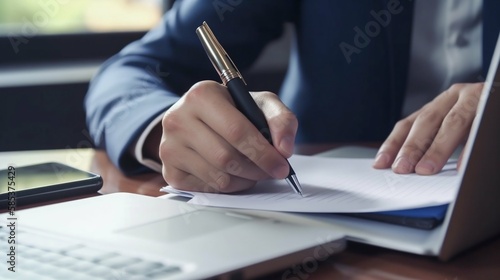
(42, 258)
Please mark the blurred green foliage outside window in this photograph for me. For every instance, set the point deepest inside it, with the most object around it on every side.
(44, 17)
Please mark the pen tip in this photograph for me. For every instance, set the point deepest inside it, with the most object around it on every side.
(294, 183)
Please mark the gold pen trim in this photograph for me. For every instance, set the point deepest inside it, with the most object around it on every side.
(224, 65)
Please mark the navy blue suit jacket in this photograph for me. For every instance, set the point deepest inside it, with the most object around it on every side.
(346, 79)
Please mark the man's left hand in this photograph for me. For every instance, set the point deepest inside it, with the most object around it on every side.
(424, 141)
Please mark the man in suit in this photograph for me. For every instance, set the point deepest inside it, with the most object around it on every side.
(359, 71)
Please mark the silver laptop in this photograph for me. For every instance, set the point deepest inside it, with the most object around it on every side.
(130, 236)
(473, 216)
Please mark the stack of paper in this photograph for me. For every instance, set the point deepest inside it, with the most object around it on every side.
(339, 185)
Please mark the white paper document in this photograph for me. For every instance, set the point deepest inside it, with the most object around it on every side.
(339, 185)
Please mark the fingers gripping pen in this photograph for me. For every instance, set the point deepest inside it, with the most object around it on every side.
(236, 85)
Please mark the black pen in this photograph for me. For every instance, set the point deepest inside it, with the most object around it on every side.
(233, 80)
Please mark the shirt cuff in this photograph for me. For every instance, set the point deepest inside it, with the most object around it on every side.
(138, 147)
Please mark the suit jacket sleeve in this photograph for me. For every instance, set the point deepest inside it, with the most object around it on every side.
(149, 75)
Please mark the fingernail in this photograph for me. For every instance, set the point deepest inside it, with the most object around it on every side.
(402, 165)
(286, 145)
(426, 167)
(381, 160)
(280, 172)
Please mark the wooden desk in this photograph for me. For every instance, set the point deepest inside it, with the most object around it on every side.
(358, 261)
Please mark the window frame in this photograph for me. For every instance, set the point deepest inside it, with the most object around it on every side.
(64, 47)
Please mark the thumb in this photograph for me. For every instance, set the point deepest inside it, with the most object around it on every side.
(282, 122)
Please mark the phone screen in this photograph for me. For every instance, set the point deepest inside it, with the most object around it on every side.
(52, 180)
(41, 175)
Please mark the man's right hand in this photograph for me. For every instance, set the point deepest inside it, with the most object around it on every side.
(207, 145)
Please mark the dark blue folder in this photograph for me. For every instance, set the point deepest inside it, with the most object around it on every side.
(422, 218)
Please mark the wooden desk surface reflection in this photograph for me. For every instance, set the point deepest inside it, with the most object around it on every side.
(358, 261)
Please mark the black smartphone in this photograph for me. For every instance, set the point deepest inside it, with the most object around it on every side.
(47, 181)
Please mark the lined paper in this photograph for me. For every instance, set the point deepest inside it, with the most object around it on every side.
(340, 185)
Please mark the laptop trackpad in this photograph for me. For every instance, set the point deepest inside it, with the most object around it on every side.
(186, 226)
